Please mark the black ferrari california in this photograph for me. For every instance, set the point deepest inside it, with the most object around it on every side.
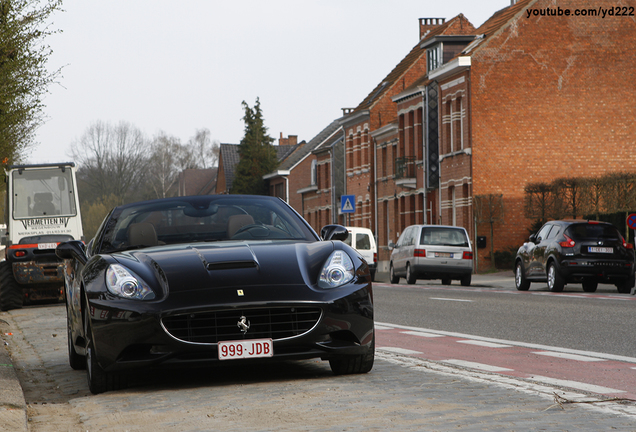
(216, 278)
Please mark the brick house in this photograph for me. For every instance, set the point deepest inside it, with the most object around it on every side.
(377, 111)
(229, 159)
(472, 113)
(534, 98)
(385, 153)
(322, 190)
(197, 181)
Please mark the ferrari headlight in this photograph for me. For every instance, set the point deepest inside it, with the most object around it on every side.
(338, 270)
(122, 283)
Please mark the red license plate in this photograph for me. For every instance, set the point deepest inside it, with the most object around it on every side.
(253, 348)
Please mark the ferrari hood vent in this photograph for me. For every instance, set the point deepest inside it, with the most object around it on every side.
(231, 265)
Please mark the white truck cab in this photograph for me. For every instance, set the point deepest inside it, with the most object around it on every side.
(42, 210)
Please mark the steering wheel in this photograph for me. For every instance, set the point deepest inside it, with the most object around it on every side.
(248, 227)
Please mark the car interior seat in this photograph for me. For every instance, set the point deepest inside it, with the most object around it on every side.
(142, 234)
(236, 222)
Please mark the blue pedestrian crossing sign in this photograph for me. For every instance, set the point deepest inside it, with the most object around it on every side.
(348, 204)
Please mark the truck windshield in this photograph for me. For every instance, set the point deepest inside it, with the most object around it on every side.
(43, 193)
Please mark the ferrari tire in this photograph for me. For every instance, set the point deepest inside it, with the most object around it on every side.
(410, 276)
(393, 278)
(10, 291)
(521, 282)
(555, 280)
(590, 286)
(446, 281)
(99, 381)
(466, 280)
(76, 361)
(359, 364)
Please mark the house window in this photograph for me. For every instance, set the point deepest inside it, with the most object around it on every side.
(434, 57)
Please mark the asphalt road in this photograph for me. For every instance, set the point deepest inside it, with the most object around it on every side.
(601, 322)
(402, 392)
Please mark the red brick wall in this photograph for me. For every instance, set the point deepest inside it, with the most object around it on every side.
(551, 97)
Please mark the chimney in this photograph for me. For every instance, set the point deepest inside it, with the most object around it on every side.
(291, 140)
(428, 24)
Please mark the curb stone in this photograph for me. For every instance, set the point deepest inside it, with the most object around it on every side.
(12, 404)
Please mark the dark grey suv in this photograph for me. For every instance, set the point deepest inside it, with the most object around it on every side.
(576, 251)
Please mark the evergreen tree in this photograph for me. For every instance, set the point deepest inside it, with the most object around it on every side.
(257, 155)
(23, 74)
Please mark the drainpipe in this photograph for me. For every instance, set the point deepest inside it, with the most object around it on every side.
(424, 152)
(375, 190)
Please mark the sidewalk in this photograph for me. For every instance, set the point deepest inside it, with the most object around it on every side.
(500, 279)
(12, 403)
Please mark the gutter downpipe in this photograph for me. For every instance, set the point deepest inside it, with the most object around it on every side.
(375, 190)
(424, 152)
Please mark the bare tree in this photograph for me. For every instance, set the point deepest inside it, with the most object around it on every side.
(204, 150)
(164, 164)
(111, 159)
(538, 201)
(567, 194)
(489, 209)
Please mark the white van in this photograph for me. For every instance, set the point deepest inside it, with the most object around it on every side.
(362, 240)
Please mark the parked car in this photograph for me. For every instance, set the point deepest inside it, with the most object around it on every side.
(196, 280)
(362, 240)
(576, 251)
(432, 252)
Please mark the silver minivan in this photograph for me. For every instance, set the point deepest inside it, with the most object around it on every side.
(432, 252)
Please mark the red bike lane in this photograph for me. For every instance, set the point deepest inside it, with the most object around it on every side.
(607, 375)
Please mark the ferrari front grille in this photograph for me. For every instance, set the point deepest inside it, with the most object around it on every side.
(212, 327)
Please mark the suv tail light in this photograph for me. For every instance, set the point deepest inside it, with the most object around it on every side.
(375, 257)
(568, 242)
(419, 253)
(627, 245)
(467, 255)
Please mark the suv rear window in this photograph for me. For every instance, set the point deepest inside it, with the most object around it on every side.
(444, 237)
(593, 231)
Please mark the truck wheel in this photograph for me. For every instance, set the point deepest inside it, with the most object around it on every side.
(10, 291)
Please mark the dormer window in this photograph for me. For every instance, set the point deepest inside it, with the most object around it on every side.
(434, 58)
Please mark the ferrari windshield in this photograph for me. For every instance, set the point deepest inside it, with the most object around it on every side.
(201, 219)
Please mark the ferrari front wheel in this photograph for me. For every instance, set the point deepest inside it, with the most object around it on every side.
(357, 364)
(99, 381)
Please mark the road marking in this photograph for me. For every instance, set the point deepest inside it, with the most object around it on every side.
(484, 344)
(479, 366)
(576, 385)
(422, 334)
(381, 327)
(605, 356)
(399, 350)
(569, 356)
(450, 299)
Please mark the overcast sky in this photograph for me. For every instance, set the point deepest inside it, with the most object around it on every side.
(176, 67)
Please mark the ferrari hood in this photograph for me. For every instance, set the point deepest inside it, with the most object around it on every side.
(210, 265)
